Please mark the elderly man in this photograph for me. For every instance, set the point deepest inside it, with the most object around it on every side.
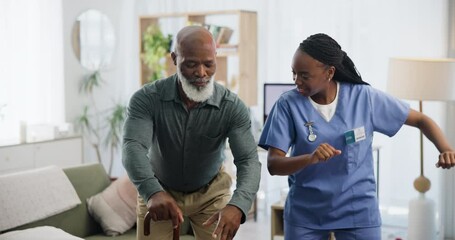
(175, 134)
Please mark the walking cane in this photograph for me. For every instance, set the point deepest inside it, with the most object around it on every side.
(148, 218)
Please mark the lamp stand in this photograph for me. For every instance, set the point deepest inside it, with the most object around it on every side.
(421, 184)
(421, 217)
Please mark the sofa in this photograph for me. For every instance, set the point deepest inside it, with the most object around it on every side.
(88, 180)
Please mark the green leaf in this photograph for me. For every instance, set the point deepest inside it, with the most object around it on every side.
(90, 81)
(115, 120)
(156, 46)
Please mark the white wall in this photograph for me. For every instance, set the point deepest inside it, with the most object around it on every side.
(369, 31)
(120, 79)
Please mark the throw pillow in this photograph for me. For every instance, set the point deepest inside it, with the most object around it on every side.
(115, 208)
(39, 233)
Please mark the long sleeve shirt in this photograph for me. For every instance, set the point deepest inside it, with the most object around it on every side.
(165, 143)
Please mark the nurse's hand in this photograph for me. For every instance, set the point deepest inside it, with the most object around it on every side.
(446, 160)
(323, 153)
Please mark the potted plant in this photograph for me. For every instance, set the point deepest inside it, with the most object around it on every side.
(155, 48)
(101, 125)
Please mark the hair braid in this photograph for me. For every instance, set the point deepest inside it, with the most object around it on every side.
(327, 51)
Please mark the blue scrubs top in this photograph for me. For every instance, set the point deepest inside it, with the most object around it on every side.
(339, 193)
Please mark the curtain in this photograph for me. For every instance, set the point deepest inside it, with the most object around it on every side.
(31, 65)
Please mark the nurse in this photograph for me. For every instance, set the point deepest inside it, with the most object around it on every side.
(326, 124)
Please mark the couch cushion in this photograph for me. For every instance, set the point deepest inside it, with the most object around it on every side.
(39, 233)
(32, 195)
(129, 235)
(115, 207)
(88, 180)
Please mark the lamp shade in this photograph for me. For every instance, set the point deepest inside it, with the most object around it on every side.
(422, 79)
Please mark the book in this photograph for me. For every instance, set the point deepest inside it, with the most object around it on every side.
(221, 34)
(214, 30)
(224, 35)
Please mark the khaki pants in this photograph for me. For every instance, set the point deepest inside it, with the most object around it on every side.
(197, 206)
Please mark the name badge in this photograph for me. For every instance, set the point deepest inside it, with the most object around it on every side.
(355, 135)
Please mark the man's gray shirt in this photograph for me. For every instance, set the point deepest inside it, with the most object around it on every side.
(183, 149)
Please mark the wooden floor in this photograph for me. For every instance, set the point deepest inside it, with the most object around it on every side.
(260, 230)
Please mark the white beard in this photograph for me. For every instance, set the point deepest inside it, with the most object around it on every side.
(197, 94)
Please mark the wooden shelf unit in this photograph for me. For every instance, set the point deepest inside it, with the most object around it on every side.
(244, 81)
(277, 227)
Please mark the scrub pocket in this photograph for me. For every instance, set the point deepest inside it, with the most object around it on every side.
(353, 156)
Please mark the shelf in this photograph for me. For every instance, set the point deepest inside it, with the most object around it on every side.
(277, 227)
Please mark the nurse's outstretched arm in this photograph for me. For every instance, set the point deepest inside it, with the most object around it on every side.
(432, 131)
(279, 164)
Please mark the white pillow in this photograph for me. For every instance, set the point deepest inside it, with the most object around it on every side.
(115, 208)
(39, 233)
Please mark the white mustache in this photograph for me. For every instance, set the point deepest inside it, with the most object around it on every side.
(199, 80)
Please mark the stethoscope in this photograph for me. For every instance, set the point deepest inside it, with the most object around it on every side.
(311, 137)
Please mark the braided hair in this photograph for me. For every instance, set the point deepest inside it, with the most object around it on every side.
(327, 51)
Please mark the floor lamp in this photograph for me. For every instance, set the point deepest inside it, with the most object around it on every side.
(422, 80)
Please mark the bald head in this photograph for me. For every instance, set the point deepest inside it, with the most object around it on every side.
(195, 58)
(191, 37)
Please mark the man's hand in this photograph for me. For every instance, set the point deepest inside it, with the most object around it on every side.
(162, 207)
(227, 222)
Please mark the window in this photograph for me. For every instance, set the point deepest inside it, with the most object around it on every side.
(31, 65)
